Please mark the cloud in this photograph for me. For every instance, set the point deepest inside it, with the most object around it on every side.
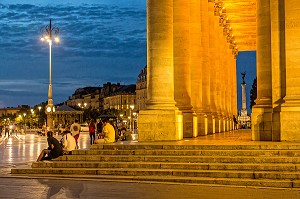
(99, 43)
(85, 30)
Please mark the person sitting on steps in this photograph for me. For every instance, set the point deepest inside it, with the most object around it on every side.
(54, 149)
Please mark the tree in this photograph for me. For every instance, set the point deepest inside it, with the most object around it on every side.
(253, 93)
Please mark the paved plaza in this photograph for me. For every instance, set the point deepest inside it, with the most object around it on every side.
(20, 151)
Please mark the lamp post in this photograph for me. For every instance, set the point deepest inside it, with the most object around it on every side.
(24, 114)
(82, 106)
(131, 118)
(47, 36)
(39, 107)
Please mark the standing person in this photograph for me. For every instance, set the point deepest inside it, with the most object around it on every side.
(235, 123)
(99, 126)
(68, 142)
(75, 130)
(54, 148)
(108, 133)
(92, 129)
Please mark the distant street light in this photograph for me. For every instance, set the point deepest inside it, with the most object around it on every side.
(39, 107)
(47, 36)
(131, 117)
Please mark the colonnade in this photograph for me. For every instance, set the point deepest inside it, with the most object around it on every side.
(276, 115)
(191, 82)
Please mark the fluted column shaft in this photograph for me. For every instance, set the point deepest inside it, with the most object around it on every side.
(160, 71)
(262, 111)
(212, 63)
(182, 67)
(195, 60)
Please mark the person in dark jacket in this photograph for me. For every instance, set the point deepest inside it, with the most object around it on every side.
(54, 148)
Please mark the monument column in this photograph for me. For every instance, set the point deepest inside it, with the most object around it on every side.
(161, 120)
(182, 70)
(262, 111)
(290, 109)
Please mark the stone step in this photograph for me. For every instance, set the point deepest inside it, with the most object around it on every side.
(289, 153)
(135, 146)
(274, 175)
(163, 165)
(180, 180)
(199, 159)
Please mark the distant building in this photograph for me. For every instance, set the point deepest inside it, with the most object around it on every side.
(121, 99)
(92, 97)
(141, 90)
(12, 110)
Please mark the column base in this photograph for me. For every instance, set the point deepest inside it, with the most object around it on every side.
(159, 125)
(261, 124)
(189, 129)
(217, 124)
(290, 123)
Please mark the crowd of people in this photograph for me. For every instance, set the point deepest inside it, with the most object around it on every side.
(106, 133)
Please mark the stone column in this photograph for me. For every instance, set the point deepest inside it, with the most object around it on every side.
(195, 60)
(227, 87)
(223, 78)
(213, 70)
(290, 110)
(234, 89)
(262, 111)
(161, 120)
(278, 65)
(220, 59)
(205, 69)
(218, 34)
(182, 70)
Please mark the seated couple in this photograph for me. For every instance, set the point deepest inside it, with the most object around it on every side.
(107, 135)
(56, 149)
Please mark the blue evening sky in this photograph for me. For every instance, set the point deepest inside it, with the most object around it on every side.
(101, 41)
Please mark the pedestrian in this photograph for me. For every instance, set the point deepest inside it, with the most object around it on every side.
(92, 129)
(235, 123)
(54, 149)
(68, 142)
(75, 130)
(108, 133)
(99, 126)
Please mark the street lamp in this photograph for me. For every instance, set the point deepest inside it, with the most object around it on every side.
(47, 36)
(24, 114)
(39, 107)
(131, 118)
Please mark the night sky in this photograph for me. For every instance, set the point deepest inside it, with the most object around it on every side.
(101, 41)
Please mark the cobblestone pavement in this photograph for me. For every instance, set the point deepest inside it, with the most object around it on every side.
(22, 150)
(48, 188)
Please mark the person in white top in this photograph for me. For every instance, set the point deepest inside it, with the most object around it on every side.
(75, 130)
(68, 142)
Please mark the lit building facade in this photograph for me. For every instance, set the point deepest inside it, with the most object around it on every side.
(121, 100)
(141, 90)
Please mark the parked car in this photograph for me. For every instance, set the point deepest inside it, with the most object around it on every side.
(84, 127)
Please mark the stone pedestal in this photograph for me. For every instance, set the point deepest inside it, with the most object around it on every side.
(290, 123)
(158, 125)
(202, 123)
(261, 124)
(188, 124)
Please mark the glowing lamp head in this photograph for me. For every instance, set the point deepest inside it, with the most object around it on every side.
(56, 39)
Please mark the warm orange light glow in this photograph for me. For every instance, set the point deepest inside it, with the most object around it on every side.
(56, 39)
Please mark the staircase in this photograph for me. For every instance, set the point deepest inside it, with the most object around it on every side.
(261, 165)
